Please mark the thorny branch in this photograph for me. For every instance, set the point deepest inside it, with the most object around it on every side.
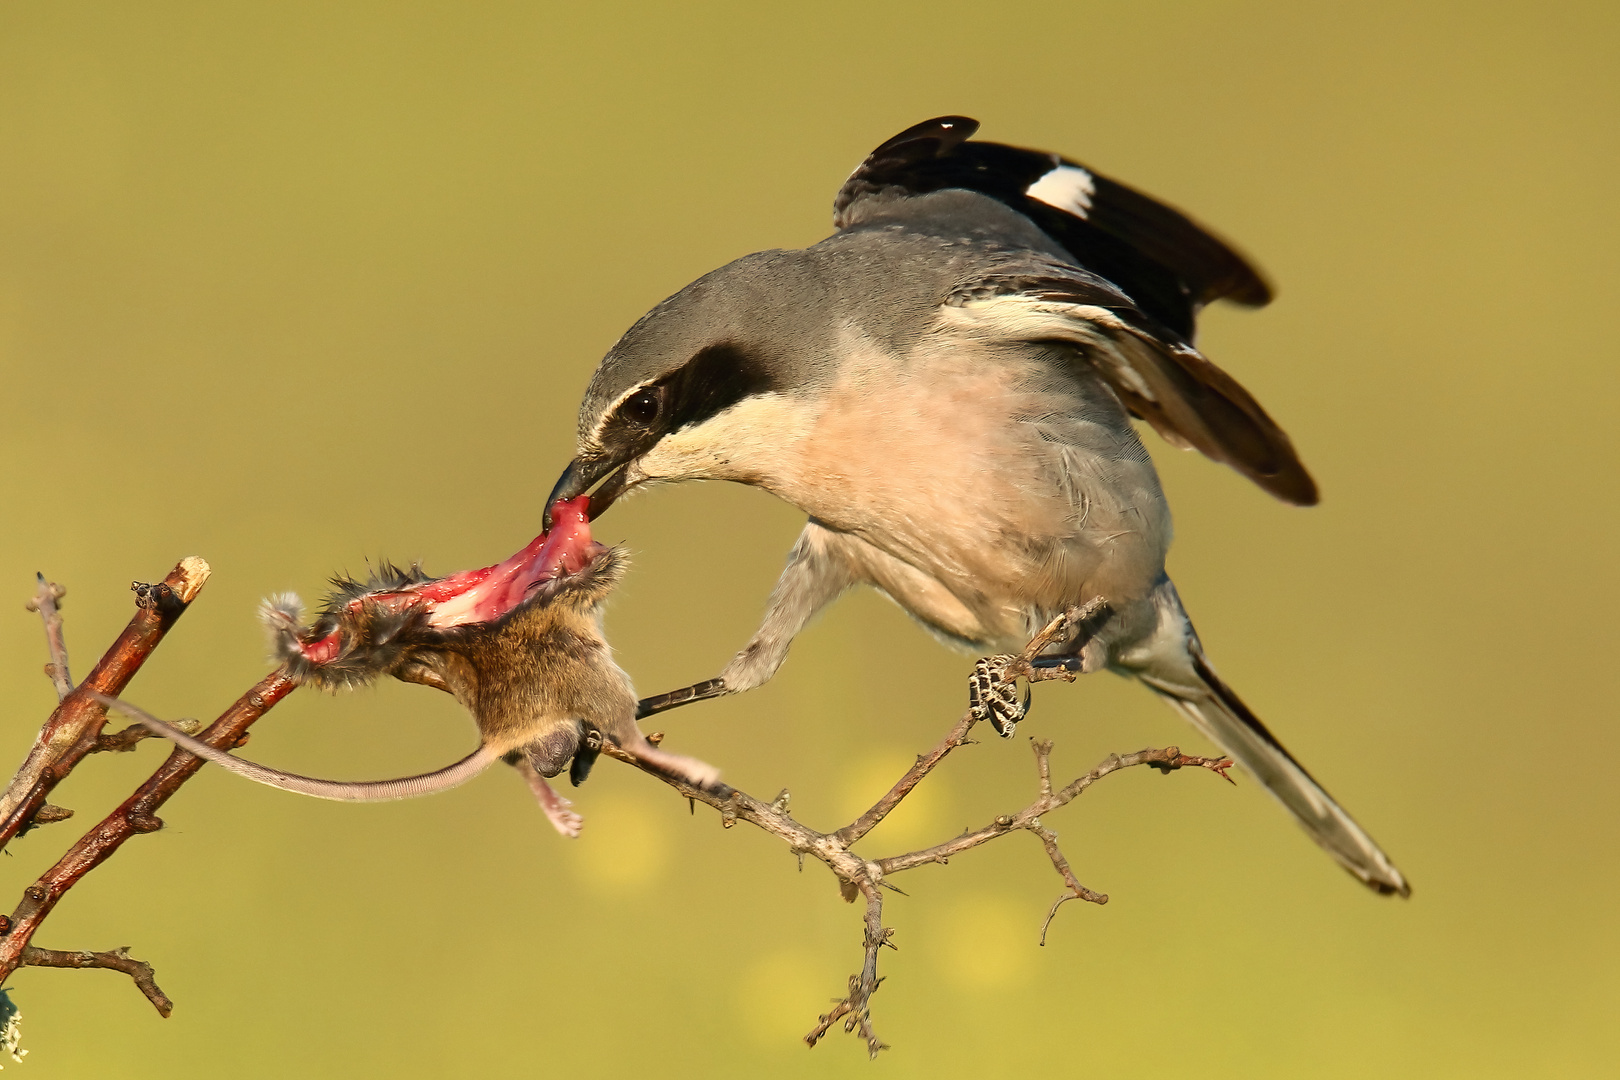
(866, 878)
(74, 731)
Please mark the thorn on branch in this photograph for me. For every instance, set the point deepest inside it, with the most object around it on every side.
(116, 960)
(856, 1012)
(1172, 759)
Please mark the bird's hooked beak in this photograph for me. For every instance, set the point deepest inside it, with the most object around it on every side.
(584, 473)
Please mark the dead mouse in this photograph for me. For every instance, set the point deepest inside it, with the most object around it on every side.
(519, 644)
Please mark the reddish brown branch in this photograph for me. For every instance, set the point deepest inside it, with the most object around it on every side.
(72, 729)
(75, 730)
(138, 814)
(116, 960)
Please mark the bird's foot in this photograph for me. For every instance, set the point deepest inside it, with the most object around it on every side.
(993, 693)
(993, 686)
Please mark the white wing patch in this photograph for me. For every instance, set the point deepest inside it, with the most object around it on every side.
(1068, 188)
(1115, 348)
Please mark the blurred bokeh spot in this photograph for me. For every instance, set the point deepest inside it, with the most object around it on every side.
(293, 286)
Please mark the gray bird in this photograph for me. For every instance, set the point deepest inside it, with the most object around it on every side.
(945, 386)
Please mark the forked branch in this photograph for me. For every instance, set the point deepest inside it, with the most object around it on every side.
(866, 878)
(75, 730)
(72, 730)
(116, 960)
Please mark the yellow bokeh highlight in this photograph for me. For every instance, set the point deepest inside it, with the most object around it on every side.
(983, 942)
(625, 845)
(293, 286)
(772, 990)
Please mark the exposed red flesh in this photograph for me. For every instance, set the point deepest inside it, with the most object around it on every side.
(477, 596)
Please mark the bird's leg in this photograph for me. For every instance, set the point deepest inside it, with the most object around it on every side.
(708, 688)
(818, 570)
(993, 686)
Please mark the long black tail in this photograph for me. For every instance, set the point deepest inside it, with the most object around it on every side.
(1221, 715)
(1177, 671)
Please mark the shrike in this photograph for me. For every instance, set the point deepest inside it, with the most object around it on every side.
(945, 386)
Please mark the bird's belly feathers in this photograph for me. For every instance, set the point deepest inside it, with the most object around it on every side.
(1011, 489)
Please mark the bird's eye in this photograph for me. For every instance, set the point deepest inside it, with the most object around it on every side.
(641, 407)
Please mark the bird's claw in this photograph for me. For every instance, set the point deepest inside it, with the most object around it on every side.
(993, 694)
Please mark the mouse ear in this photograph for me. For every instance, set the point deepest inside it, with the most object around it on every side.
(551, 751)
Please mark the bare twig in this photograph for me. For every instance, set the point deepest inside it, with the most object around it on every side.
(72, 730)
(1021, 666)
(124, 740)
(858, 876)
(1169, 758)
(138, 814)
(45, 602)
(1075, 891)
(957, 736)
(1088, 618)
(855, 1008)
(116, 960)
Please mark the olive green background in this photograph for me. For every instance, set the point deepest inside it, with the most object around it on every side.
(293, 285)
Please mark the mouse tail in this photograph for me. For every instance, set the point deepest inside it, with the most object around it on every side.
(406, 787)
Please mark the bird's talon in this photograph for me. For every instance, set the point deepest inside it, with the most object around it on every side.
(993, 695)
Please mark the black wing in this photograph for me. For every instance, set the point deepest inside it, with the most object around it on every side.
(1168, 265)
